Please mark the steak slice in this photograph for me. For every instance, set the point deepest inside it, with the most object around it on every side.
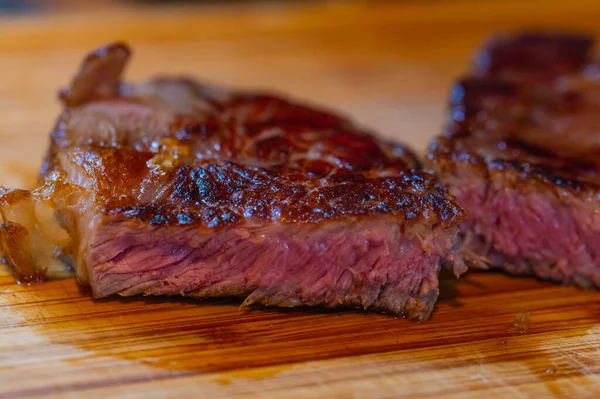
(173, 187)
(522, 154)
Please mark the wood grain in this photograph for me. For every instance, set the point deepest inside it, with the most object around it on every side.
(390, 66)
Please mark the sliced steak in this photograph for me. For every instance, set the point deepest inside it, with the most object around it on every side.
(174, 187)
(522, 155)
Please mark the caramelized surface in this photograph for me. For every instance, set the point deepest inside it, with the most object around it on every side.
(172, 151)
(531, 107)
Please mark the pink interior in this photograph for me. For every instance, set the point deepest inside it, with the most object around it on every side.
(366, 263)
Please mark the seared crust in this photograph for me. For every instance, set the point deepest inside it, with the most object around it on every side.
(543, 131)
(221, 194)
(172, 152)
(530, 168)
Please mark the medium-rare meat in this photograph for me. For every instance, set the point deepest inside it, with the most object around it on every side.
(174, 187)
(522, 155)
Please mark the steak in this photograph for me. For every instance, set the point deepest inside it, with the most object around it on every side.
(521, 153)
(172, 187)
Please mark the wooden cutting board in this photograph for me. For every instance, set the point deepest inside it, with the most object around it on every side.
(390, 66)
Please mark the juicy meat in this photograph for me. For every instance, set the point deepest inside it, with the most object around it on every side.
(522, 155)
(174, 187)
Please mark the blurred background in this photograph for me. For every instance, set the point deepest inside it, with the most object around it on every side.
(388, 64)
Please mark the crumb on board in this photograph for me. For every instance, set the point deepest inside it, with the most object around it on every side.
(521, 323)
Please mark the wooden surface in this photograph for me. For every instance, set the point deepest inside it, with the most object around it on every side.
(390, 66)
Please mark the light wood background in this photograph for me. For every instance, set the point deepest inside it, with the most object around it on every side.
(389, 65)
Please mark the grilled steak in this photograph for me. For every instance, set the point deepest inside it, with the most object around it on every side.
(521, 154)
(174, 187)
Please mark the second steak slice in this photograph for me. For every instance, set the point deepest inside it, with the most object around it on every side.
(173, 187)
(522, 155)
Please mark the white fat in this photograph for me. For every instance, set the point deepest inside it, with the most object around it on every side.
(21, 213)
(46, 223)
(42, 246)
(74, 172)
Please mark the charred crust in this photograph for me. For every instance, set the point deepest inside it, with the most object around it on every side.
(233, 157)
(217, 196)
(447, 156)
(494, 123)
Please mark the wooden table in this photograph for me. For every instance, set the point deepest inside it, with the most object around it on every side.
(389, 64)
